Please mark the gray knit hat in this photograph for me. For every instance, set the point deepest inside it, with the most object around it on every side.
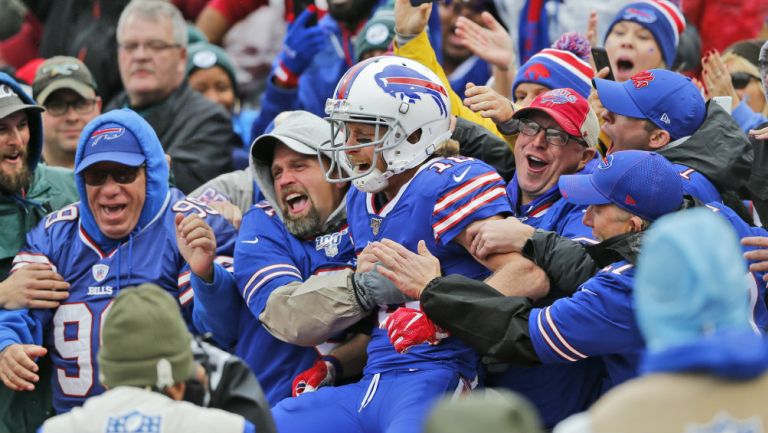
(486, 410)
(145, 341)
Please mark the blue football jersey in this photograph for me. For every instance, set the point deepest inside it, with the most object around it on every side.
(697, 185)
(268, 257)
(598, 320)
(442, 199)
(71, 332)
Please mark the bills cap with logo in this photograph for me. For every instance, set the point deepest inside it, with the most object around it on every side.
(642, 183)
(667, 99)
(11, 102)
(570, 110)
(111, 142)
(62, 72)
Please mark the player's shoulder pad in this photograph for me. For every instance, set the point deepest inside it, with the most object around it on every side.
(457, 170)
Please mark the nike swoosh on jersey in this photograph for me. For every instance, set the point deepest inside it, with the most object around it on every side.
(254, 241)
(460, 177)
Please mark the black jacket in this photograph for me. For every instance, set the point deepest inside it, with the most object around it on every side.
(194, 131)
(496, 325)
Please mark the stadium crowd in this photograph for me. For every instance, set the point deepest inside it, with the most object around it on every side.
(383, 216)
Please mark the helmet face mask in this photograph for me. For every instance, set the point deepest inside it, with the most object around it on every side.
(396, 97)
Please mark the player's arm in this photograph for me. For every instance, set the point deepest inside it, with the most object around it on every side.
(514, 274)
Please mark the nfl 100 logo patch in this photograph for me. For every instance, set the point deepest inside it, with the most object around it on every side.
(330, 242)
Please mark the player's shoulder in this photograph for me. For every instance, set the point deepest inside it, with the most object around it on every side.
(457, 170)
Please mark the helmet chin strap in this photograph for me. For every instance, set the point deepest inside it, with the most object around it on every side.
(373, 182)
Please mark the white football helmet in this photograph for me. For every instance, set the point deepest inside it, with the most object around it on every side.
(398, 96)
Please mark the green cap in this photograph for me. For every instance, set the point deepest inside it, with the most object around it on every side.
(377, 33)
(202, 55)
(63, 72)
(487, 410)
(145, 341)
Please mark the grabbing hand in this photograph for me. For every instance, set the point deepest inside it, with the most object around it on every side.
(197, 244)
(301, 43)
(408, 271)
(407, 327)
(35, 285)
(498, 236)
(322, 373)
(759, 256)
(230, 212)
(18, 369)
(488, 103)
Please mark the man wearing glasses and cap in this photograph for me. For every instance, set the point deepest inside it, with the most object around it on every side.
(123, 232)
(67, 90)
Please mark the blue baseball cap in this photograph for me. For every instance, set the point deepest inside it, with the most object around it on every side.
(642, 183)
(669, 100)
(111, 142)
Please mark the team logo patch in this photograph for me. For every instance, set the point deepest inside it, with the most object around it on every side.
(100, 272)
(640, 15)
(665, 119)
(60, 69)
(537, 71)
(642, 79)
(376, 225)
(558, 97)
(330, 242)
(407, 85)
(605, 163)
(6, 91)
(106, 134)
(134, 422)
(724, 423)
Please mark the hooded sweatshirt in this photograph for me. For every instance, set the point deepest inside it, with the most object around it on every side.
(51, 189)
(98, 267)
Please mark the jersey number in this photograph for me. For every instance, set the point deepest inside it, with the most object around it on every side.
(76, 345)
(190, 204)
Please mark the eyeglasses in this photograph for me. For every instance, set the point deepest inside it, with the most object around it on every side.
(741, 80)
(122, 175)
(154, 46)
(60, 108)
(555, 137)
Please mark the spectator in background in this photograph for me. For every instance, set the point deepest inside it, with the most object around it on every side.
(210, 72)
(694, 314)
(313, 59)
(484, 410)
(67, 90)
(643, 35)
(375, 39)
(195, 132)
(145, 362)
(28, 191)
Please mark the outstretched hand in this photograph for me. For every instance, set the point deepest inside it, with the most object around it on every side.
(488, 103)
(491, 43)
(411, 20)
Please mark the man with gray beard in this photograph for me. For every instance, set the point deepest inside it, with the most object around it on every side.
(28, 191)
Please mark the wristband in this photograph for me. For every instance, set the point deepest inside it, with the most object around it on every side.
(338, 369)
(510, 127)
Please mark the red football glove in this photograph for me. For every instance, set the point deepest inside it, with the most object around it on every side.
(321, 373)
(407, 327)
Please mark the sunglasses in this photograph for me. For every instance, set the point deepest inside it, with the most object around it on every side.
(741, 80)
(122, 175)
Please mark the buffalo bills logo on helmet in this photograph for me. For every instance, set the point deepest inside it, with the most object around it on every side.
(106, 134)
(643, 15)
(642, 79)
(408, 85)
(558, 97)
(536, 72)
